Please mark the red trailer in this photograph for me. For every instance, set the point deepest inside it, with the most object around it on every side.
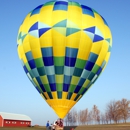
(14, 120)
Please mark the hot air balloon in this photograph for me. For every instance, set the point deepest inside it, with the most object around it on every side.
(64, 46)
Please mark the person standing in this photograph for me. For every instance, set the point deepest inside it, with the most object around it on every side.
(47, 125)
(59, 124)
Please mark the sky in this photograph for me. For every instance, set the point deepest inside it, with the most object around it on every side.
(17, 94)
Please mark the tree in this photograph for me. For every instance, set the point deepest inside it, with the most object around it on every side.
(113, 111)
(78, 118)
(102, 118)
(124, 109)
(86, 115)
(96, 114)
(83, 116)
(90, 117)
(107, 117)
(68, 119)
(74, 116)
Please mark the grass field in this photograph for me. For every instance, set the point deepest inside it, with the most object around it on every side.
(91, 127)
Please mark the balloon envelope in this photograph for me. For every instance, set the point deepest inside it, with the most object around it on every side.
(63, 46)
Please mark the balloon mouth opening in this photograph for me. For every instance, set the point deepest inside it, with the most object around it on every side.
(61, 106)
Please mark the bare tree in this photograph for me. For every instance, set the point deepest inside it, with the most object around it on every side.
(83, 117)
(90, 117)
(96, 114)
(124, 109)
(74, 116)
(102, 118)
(113, 111)
(79, 118)
(109, 115)
(86, 116)
(107, 119)
(81, 114)
(66, 121)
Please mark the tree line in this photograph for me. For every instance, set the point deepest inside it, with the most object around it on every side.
(115, 112)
